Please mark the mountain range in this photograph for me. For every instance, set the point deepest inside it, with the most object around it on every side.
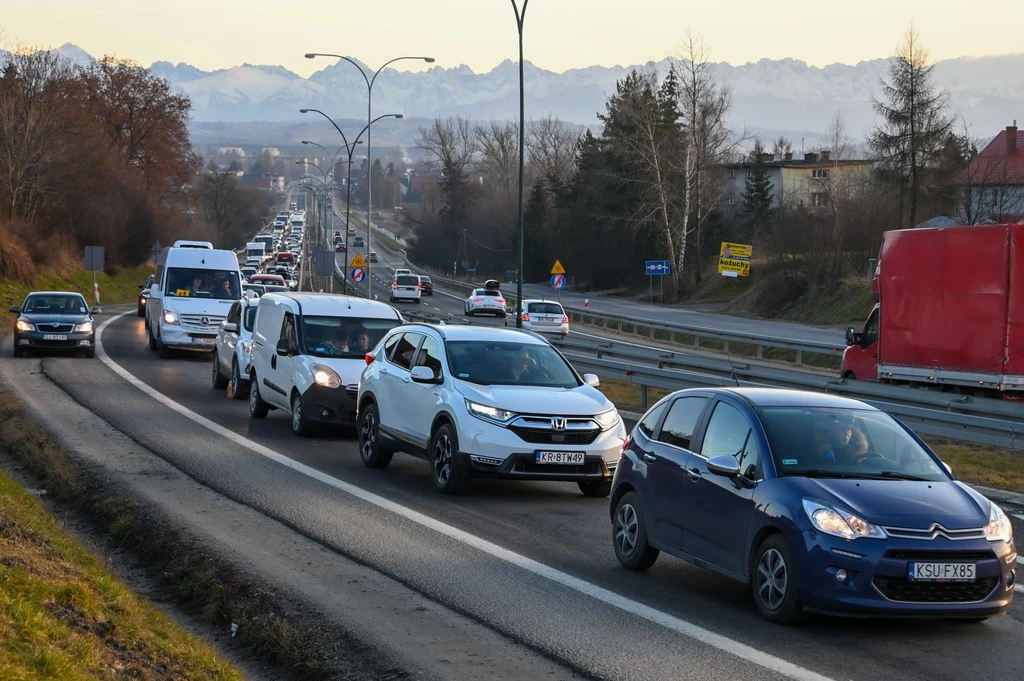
(769, 96)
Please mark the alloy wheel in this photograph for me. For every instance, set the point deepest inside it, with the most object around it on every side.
(368, 433)
(442, 458)
(772, 579)
(626, 528)
(296, 414)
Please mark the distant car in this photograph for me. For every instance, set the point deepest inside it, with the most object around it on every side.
(233, 356)
(337, 235)
(373, 256)
(339, 248)
(426, 285)
(357, 242)
(542, 316)
(258, 289)
(144, 295)
(816, 502)
(254, 262)
(267, 279)
(485, 301)
(351, 232)
(248, 271)
(54, 321)
(405, 287)
(402, 270)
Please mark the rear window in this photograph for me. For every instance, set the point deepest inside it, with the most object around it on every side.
(493, 293)
(422, 278)
(407, 280)
(545, 308)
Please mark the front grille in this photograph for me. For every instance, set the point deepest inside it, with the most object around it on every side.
(940, 556)
(555, 437)
(195, 322)
(54, 328)
(934, 532)
(527, 466)
(55, 345)
(905, 591)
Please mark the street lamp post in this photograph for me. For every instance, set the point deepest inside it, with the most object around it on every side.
(350, 150)
(369, 158)
(320, 198)
(520, 18)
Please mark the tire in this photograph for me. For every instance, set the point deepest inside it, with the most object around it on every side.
(417, 301)
(239, 385)
(775, 583)
(258, 409)
(19, 352)
(163, 352)
(152, 339)
(90, 353)
(370, 451)
(218, 380)
(142, 311)
(598, 488)
(300, 424)
(629, 534)
(449, 478)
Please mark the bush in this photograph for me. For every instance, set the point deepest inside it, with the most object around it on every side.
(778, 291)
(15, 261)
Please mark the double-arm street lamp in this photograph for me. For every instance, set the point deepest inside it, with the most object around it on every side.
(369, 173)
(369, 124)
(520, 18)
(349, 149)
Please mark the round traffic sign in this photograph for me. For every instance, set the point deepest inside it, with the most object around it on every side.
(357, 274)
(558, 281)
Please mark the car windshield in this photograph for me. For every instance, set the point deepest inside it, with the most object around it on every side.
(71, 304)
(545, 308)
(345, 337)
(855, 443)
(249, 318)
(509, 363)
(259, 289)
(188, 282)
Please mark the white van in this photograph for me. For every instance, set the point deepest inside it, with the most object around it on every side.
(308, 352)
(193, 288)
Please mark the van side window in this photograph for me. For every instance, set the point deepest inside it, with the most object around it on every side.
(288, 331)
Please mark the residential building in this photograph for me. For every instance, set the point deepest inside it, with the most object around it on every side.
(991, 188)
(808, 181)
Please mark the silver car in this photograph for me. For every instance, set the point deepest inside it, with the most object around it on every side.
(542, 316)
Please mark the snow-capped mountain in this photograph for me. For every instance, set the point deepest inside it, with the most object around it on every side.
(768, 95)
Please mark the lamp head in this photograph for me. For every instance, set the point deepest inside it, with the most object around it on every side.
(429, 60)
(303, 110)
(310, 55)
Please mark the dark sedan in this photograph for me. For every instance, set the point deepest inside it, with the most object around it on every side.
(144, 295)
(426, 286)
(55, 321)
(819, 503)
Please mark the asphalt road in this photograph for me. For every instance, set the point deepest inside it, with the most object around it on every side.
(531, 561)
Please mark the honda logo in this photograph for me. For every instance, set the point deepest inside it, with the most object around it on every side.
(558, 423)
(205, 321)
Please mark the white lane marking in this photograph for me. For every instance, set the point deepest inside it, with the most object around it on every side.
(1020, 516)
(698, 633)
(1020, 560)
(1018, 588)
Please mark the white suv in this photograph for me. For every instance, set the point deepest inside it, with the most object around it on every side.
(308, 350)
(405, 287)
(480, 402)
(233, 355)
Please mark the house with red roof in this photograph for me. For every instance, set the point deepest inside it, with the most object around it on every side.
(992, 185)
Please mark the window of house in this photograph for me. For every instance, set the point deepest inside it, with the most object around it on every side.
(820, 173)
(819, 200)
(732, 198)
(732, 173)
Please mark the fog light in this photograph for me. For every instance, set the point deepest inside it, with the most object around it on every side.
(841, 576)
(24, 341)
(325, 413)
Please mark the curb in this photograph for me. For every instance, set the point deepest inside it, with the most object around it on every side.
(1001, 495)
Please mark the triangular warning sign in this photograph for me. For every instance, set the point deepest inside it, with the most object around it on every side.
(558, 269)
(358, 261)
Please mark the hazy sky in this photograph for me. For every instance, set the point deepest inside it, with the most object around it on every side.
(560, 34)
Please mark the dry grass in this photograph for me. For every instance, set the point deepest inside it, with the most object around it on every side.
(64, 616)
(626, 396)
(990, 466)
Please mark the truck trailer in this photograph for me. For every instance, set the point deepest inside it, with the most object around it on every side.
(949, 312)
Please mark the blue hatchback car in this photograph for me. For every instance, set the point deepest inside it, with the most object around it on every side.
(820, 503)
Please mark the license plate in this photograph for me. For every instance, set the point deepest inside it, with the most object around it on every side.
(204, 341)
(55, 336)
(942, 572)
(562, 458)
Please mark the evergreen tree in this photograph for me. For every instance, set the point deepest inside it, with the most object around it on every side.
(536, 239)
(758, 196)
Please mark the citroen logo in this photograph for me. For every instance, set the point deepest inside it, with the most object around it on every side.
(558, 423)
(205, 321)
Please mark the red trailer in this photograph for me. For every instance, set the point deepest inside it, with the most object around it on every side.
(950, 312)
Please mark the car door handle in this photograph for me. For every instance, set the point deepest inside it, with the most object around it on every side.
(405, 379)
(694, 474)
(273, 362)
(650, 458)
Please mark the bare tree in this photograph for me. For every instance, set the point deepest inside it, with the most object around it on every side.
(551, 147)
(452, 149)
(780, 147)
(499, 158)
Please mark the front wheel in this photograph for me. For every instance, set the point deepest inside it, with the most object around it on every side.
(218, 380)
(370, 451)
(258, 409)
(142, 310)
(19, 352)
(774, 582)
(163, 352)
(597, 488)
(300, 424)
(629, 534)
(444, 458)
(239, 386)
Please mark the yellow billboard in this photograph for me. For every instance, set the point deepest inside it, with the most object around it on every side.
(734, 259)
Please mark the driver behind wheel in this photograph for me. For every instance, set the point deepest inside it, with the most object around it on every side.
(837, 439)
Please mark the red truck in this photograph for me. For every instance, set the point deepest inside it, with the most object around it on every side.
(949, 312)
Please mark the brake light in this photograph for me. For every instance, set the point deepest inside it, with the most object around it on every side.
(369, 358)
(625, 446)
(420, 286)
(394, 284)
(525, 317)
(478, 300)
(500, 301)
(565, 319)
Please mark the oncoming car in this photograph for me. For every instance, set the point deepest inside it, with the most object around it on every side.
(233, 356)
(820, 503)
(54, 321)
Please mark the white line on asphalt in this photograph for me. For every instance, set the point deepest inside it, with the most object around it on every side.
(1020, 560)
(706, 636)
(1019, 516)
(1018, 588)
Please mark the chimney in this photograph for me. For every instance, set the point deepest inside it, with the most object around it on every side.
(1011, 138)
(767, 157)
(810, 157)
(788, 156)
(825, 156)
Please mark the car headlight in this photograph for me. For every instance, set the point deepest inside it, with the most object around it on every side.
(170, 317)
(84, 327)
(489, 413)
(998, 528)
(607, 419)
(24, 326)
(839, 523)
(325, 376)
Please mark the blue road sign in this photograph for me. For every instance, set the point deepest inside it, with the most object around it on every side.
(557, 281)
(357, 274)
(658, 267)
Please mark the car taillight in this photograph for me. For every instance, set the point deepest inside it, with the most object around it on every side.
(526, 317)
(369, 358)
(565, 319)
(394, 284)
(478, 300)
(420, 286)
(499, 301)
(625, 446)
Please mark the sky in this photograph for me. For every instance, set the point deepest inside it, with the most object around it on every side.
(559, 34)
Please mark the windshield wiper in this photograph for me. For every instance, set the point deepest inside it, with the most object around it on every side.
(894, 475)
(819, 473)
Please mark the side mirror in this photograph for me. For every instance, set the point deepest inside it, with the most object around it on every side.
(142, 286)
(850, 335)
(16, 310)
(284, 349)
(949, 468)
(422, 374)
(592, 380)
(95, 310)
(229, 327)
(726, 466)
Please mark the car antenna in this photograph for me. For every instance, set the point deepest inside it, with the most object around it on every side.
(732, 367)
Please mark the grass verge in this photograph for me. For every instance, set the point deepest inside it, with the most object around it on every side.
(626, 396)
(199, 582)
(65, 616)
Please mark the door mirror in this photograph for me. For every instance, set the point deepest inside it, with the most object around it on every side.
(850, 335)
(725, 465)
(422, 374)
(949, 468)
(592, 380)
(229, 327)
(16, 310)
(142, 286)
(284, 348)
(95, 310)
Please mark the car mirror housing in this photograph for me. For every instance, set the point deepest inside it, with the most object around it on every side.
(725, 465)
(284, 349)
(424, 375)
(592, 380)
(15, 309)
(850, 335)
(229, 327)
(95, 310)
